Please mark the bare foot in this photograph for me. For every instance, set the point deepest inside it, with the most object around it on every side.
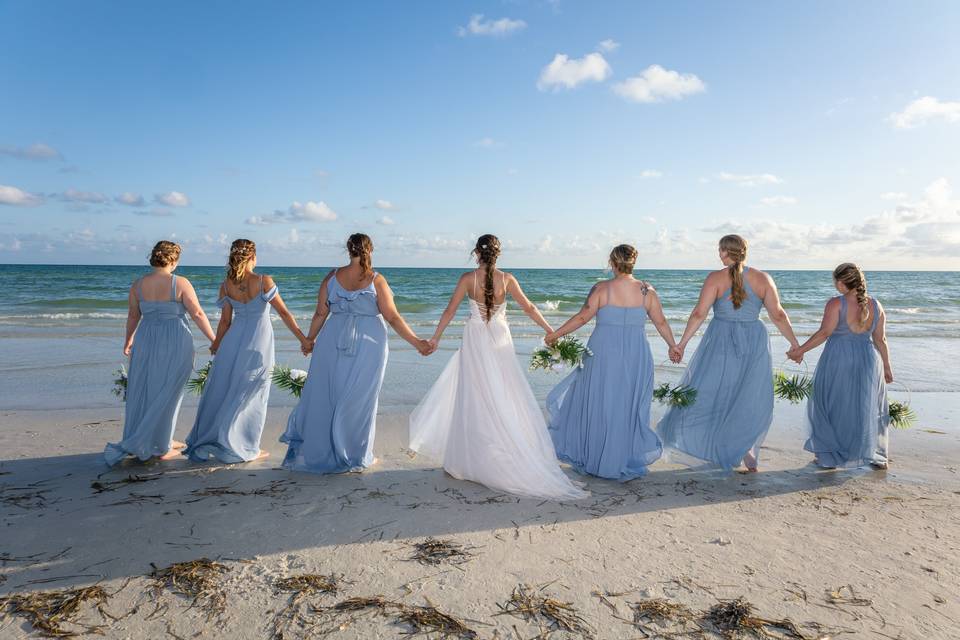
(170, 455)
(176, 444)
(750, 462)
(263, 454)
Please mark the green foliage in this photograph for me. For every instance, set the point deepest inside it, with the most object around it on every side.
(680, 396)
(120, 383)
(568, 351)
(290, 379)
(901, 415)
(197, 383)
(795, 388)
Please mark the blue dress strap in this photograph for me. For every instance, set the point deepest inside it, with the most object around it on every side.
(139, 288)
(876, 315)
(173, 287)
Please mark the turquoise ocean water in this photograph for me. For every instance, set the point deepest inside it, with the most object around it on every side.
(61, 327)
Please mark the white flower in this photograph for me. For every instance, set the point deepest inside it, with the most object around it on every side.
(557, 367)
(298, 374)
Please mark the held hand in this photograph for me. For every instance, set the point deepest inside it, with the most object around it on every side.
(306, 346)
(551, 338)
(434, 344)
(425, 347)
(888, 375)
(214, 346)
(127, 348)
(795, 354)
(676, 354)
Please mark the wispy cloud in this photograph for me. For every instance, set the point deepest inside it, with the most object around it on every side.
(385, 205)
(88, 197)
(778, 201)
(656, 84)
(564, 72)
(39, 152)
(488, 143)
(172, 199)
(608, 45)
(650, 174)
(750, 179)
(130, 199)
(477, 26)
(156, 213)
(385, 220)
(14, 197)
(894, 195)
(924, 110)
(297, 212)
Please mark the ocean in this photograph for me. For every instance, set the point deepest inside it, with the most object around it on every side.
(62, 327)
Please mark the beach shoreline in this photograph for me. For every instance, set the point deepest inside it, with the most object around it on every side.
(695, 537)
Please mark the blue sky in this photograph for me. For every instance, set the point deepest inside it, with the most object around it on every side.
(821, 131)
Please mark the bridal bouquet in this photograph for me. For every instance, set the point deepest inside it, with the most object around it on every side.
(795, 388)
(901, 415)
(566, 352)
(290, 379)
(680, 396)
(120, 383)
(197, 383)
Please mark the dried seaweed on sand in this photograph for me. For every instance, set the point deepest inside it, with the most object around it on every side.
(529, 603)
(435, 552)
(736, 619)
(57, 613)
(198, 579)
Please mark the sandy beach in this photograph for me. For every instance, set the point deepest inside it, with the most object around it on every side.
(841, 554)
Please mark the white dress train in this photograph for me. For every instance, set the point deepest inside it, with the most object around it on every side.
(481, 421)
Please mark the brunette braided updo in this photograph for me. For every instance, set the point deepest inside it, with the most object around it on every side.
(359, 245)
(486, 251)
(164, 254)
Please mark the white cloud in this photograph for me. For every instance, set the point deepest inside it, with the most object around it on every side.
(566, 73)
(38, 151)
(17, 197)
(608, 45)
(778, 201)
(130, 199)
(648, 174)
(496, 28)
(749, 180)
(305, 212)
(156, 213)
(648, 220)
(385, 205)
(894, 195)
(656, 84)
(320, 173)
(91, 197)
(172, 199)
(488, 143)
(924, 110)
(385, 220)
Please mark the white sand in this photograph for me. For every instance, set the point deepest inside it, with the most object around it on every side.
(782, 538)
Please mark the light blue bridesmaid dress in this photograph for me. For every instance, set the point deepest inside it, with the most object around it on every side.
(732, 372)
(847, 413)
(332, 428)
(233, 408)
(600, 414)
(160, 364)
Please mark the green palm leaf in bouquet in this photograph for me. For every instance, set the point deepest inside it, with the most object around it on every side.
(197, 383)
(290, 379)
(901, 415)
(567, 352)
(794, 388)
(680, 396)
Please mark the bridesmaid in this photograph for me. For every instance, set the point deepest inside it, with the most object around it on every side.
(847, 413)
(600, 414)
(332, 428)
(233, 408)
(732, 369)
(160, 347)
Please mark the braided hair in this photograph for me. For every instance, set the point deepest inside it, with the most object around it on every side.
(359, 245)
(851, 276)
(486, 251)
(736, 249)
(164, 254)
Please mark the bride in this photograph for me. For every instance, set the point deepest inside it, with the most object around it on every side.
(480, 419)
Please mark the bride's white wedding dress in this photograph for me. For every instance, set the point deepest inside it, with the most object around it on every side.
(481, 420)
